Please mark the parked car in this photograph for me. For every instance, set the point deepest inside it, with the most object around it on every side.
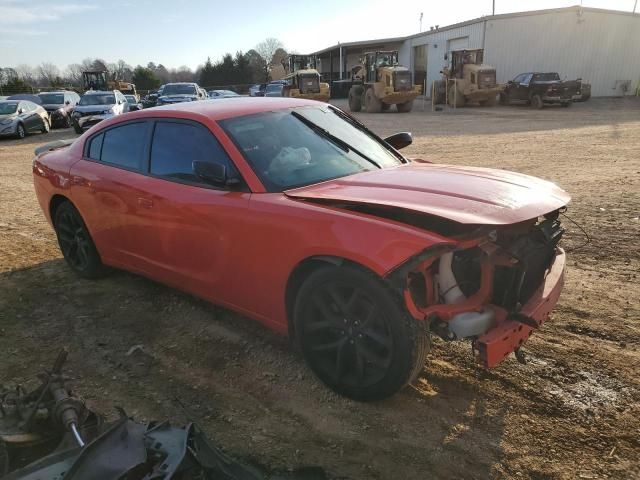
(222, 94)
(134, 103)
(257, 90)
(150, 100)
(537, 89)
(292, 212)
(20, 117)
(180, 92)
(60, 106)
(274, 90)
(97, 105)
(26, 96)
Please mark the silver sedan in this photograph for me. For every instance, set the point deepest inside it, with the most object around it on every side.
(20, 117)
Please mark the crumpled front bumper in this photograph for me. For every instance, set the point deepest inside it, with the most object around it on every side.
(90, 120)
(511, 331)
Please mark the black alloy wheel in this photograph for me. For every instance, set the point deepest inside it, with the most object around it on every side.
(20, 131)
(75, 242)
(355, 335)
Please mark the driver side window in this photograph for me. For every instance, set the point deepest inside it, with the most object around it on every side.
(176, 145)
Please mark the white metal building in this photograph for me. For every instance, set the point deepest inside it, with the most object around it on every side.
(600, 46)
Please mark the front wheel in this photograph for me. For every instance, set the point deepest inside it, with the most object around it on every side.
(404, 107)
(20, 131)
(77, 127)
(76, 243)
(356, 335)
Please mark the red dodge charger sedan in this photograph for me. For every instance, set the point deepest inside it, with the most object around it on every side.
(294, 213)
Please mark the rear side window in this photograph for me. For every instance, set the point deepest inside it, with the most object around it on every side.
(95, 147)
(125, 146)
(176, 146)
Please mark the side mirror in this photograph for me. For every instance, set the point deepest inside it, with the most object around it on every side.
(214, 173)
(399, 140)
(20, 111)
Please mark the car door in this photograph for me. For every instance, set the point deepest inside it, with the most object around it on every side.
(106, 188)
(29, 116)
(193, 225)
(524, 87)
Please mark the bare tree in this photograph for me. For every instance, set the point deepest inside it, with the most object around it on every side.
(267, 49)
(48, 72)
(25, 73)
(73, 73)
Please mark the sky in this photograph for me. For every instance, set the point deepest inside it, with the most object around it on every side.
(186, 32)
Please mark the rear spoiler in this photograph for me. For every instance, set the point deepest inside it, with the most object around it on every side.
(47, 147)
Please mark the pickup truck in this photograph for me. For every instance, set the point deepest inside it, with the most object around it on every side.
(537, 89)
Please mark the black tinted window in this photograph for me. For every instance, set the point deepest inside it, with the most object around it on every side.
(95, 146)
(176, 146)
(125, 146)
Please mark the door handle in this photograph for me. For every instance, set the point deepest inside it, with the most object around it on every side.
(145, 202)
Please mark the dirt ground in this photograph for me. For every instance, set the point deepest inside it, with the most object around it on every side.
(573, 411)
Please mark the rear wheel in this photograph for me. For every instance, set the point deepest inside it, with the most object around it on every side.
(371, 102)
(75, 242)
(355, 99)
(536, 102)
(355, 334)
(504, 99)
(404, 107)
(20, 131)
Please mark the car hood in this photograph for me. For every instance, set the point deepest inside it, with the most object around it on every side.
(463, 194)
(177, 98)
(92, 108)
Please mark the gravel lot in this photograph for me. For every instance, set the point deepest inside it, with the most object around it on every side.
(572, 412)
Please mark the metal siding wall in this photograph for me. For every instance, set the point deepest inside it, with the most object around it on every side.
(599, 47)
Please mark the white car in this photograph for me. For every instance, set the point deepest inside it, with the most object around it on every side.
(97, 105)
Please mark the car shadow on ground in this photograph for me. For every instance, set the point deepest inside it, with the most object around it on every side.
(164, 354)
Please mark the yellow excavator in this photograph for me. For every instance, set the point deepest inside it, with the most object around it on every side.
(102, 80)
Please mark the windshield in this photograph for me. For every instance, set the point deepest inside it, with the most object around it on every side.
(52, 98)
(179, 90)
(303, 146)
(276, 87)
(8, 108)
(98, 99)
(131, 99)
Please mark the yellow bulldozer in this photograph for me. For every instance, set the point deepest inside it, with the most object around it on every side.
(467, 80)
(303, 80)
(102, 80)
(380, 82)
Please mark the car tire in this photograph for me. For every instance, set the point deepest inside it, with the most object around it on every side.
(356, 335)
(536, 102)
(355, 99)
(371, 103)
(76, 243)
(45, 126)
(67, 122)
(77, 128)
(21, 132)
(404, 107)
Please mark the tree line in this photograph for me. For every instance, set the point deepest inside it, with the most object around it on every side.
(231, 70)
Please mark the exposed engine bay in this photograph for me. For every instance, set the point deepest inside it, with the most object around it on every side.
(493, 278)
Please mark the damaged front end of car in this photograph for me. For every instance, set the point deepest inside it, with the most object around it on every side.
(495, 285)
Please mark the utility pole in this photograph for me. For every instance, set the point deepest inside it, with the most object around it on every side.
(493, 11)
(421, 14)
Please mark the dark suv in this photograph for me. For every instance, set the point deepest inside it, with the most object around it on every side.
(60, 106)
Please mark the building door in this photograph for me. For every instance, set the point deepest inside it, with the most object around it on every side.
(456, 44)
(419, 64)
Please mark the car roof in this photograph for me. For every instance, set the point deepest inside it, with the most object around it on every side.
(98, 92)
(56, 91)
(226, 107)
